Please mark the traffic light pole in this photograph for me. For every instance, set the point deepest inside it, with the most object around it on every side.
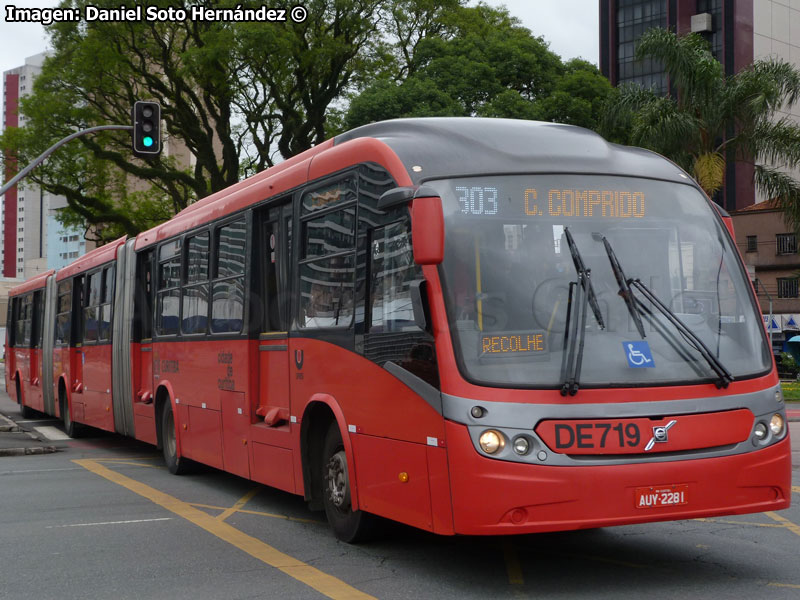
(55, 147)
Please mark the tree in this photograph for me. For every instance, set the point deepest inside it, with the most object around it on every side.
(485, 64)
(237, 94)
(713, 118)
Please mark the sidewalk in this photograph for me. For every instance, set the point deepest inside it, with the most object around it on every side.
(16, 440)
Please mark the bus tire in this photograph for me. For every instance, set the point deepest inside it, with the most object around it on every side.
(348, 525)
(71, 428)
(176, 464)
(26, 411)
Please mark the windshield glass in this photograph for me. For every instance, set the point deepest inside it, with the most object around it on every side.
(507, 274)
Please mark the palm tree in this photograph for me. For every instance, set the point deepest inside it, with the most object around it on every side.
(714, 118)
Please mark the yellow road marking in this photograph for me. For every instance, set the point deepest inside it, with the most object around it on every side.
(789, 585)
(793, 527)
(117, 458)
(322, 582)
(239, 504)
(512, 563)
(136, 464)
(732, 522)
(796, 489)
(266, 514)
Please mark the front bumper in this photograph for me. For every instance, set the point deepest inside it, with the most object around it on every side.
(493, 497)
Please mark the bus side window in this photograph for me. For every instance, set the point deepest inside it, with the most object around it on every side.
(38, 325)
(92, 303)
(63, 312)
(10, 323)
(227, 289)
(392, 333)
(27, 322)
(392, 269)
(104, 318)
(19, 321)
(194, 296)
(13, 323)
(327, 265)
(168, 286)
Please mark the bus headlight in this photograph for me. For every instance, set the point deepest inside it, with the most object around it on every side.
(491, 441)
(760, 431)
(776, 424)
(521, 445)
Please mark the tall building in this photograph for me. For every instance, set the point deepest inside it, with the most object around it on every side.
(739, 31)
(28, 214)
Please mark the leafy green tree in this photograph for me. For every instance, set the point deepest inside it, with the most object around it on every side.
(713, 118)
(238, 95)
(579, 96)
(485, 63)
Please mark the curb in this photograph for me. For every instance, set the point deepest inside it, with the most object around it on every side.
(7, 425)
(24, 451)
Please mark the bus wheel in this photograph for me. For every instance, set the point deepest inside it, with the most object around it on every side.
(26, 411)
(71, 428)
(177, 465)
(348, 525)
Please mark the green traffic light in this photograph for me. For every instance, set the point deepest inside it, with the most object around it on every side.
(147, 141)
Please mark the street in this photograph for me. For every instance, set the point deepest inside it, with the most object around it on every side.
(103, 518)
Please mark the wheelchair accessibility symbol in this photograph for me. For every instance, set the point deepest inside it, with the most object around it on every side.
(639, 355)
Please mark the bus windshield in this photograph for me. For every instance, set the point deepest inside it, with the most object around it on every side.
(508, 272)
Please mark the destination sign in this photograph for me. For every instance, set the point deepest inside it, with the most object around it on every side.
(552, 202)
(512, 344)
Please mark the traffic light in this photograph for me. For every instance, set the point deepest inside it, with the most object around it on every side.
(146, 129)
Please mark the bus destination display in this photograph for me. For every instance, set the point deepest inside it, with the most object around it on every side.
(512, 344)
(533, 202)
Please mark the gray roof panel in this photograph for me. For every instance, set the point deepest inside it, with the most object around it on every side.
(460, 146)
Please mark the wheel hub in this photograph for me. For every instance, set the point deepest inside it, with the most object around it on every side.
(337, 481)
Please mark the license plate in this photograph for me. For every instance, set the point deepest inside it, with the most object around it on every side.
(664, 495)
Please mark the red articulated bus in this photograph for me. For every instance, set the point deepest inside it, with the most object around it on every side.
(26, 326)
(471, 326)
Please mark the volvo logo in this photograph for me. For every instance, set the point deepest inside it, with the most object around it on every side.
(660, 435)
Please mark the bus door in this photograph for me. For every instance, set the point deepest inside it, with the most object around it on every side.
(76, 352)
(34, 399)
(273, 345)
(91, 359)
(142, 350)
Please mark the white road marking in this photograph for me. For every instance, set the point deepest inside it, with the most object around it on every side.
(41, 421)
(52, 433)
(108, 523)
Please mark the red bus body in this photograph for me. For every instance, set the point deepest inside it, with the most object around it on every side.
(253, 388)
(24, 362)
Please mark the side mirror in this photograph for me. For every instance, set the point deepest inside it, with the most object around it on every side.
(427, 230)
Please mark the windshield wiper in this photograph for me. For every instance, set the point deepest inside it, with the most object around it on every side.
(625, 290)
(582, 292)
(584, 278)
(725, 376)
(636, 306)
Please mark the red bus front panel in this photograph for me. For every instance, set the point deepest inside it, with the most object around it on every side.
(498, 497)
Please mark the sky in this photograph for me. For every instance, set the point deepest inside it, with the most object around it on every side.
(570, 26)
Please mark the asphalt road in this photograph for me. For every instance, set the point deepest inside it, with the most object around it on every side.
(102, 518)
